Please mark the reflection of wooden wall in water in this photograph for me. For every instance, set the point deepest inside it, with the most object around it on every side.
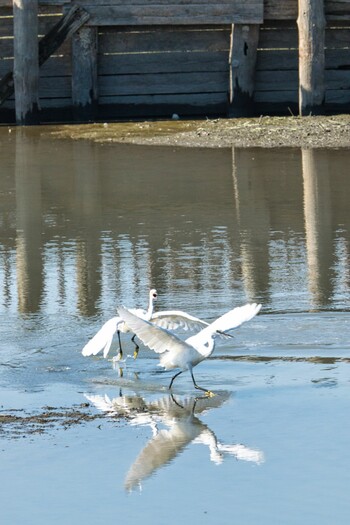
(197, 217)
(29, 225)
(180, 61)
(318, 225)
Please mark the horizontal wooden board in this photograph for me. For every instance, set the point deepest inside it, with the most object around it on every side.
(162, 41)
(280, 10)
(276, 81)
(178, 98)
(55, 87)
(162, 63)
(6, 48)
(216, 13)
(273, 97)
(163, 84)
(337, 59)
(337, 38)
(277, 60)
(337, 79)
(337, 96)
(279, 38)
(337, 7)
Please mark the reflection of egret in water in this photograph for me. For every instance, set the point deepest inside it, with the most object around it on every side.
(182, 428)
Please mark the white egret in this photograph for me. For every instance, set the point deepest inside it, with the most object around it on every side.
(169, 319)
(176, 353)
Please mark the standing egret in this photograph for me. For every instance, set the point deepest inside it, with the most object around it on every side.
(176, 353)
(169, 319)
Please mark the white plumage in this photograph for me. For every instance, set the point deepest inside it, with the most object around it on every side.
(169, 319)
(176, 353)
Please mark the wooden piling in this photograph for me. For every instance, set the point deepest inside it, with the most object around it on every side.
(311, 24)
(26, 61)
(242, 61)
(84, 73)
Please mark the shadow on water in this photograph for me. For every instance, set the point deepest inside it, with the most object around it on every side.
(182, 427)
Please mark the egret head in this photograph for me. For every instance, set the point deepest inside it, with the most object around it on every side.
(153, 294)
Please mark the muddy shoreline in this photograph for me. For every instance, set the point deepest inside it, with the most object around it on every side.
(266, 132)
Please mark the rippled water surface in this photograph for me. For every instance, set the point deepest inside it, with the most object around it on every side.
(86, 227)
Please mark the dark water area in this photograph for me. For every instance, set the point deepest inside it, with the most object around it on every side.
(85, 227)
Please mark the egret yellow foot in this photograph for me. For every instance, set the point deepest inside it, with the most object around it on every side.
(136, 353)
(209, 393)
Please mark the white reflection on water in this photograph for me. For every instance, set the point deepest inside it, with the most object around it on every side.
(183, 427)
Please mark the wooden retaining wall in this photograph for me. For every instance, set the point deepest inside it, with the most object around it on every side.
(152, 66)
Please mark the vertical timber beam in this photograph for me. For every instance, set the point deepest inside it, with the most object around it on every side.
(242, 62)
(311, 25)
(84, 73)
(26, 61)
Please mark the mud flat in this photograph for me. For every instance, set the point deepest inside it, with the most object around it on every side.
(266, 132)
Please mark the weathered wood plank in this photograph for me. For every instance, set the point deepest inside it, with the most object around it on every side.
(337, 38)
(336, 7)
(7, 48)
(277, 60)
(194, 99)
(174, 14)
(242, 61)
(84, 73)
(163, 84)
(284, 38)
(163, 41)
(277, 10)
(337, 79)
(276, 97)
(54, 67)
(276, 81)
(311, 25)
(162, 63)
(26, 64)
(338, 96)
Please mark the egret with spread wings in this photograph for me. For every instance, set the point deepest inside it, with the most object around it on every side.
(169, 319)
(176, 353)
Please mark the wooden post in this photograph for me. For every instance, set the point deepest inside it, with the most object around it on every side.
(71, 21)
(311, 25)
(26, 61)
(242, 61)
(84, 73)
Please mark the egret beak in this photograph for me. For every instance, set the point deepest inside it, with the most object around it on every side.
(224, 333)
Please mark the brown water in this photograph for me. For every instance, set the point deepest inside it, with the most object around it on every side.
(85, 227)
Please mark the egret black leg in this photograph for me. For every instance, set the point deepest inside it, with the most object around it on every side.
(208, 392)
(137, 348)
(172, 380)
(120, 346)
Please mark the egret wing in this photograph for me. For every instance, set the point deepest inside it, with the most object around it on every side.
(156, 338)
(236, 317)
(226, 322)
(173, 319)
(102, 340)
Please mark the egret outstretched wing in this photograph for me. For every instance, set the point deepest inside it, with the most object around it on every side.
(226, 322)
(103, 339)
(158, 339)
(173, 319)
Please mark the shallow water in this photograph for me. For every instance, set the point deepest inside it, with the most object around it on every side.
(85, 227)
